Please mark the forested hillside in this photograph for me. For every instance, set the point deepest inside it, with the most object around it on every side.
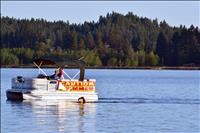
(115, 40)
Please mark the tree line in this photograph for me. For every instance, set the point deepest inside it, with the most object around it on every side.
(114, 40)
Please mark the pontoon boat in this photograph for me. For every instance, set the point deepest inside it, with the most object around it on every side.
(47, 87)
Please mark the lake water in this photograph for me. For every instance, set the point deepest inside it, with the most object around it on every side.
(130, 101)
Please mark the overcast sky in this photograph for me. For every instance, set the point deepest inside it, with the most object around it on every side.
(175, 13)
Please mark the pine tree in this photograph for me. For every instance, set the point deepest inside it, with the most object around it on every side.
(161, 47)
(74, 44)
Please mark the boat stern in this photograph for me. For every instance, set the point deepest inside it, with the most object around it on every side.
(14, 94)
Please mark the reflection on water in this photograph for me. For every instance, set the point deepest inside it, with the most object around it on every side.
(61, 116)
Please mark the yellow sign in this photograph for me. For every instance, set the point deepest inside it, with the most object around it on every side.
(84, 86)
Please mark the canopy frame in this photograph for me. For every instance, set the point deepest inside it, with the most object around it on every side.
(79, 63)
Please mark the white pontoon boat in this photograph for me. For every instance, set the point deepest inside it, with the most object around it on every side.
(47, 87)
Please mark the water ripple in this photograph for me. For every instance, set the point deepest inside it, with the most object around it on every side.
(149, 100)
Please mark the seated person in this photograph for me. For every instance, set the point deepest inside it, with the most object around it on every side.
(53, 76)
(59, 74)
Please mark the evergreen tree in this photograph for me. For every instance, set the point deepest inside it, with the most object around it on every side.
(90, 39)
(74, 44)
(161, 47)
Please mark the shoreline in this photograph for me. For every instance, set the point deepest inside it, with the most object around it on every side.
(116, 67)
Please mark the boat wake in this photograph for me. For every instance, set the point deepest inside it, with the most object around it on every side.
(149, 100)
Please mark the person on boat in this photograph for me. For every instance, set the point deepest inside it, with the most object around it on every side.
(59, 74)
(52, 76)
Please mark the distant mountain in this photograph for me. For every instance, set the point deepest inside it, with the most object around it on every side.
(115, 40)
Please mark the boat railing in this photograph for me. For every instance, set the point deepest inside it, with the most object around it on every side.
(66, 74)
(40, 70)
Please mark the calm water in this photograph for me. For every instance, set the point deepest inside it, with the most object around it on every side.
(135, 101)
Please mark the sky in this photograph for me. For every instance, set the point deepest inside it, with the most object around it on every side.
(174, 13)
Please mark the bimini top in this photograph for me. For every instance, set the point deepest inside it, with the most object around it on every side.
(41, 62)
(62, 63)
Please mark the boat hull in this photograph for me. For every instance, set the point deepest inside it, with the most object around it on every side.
(13, 94)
